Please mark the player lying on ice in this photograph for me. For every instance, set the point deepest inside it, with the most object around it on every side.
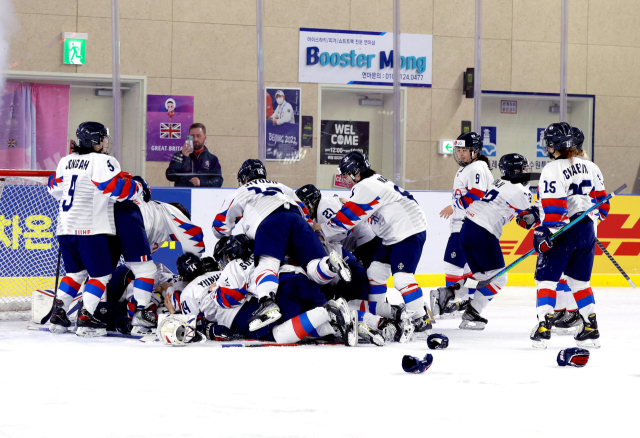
(397, 219)
(228, 306)
(506, 198)
(396, 325)
(276, 219)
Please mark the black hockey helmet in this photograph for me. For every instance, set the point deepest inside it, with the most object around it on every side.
(236, 247)
(189, 266)
(218, 250)
(251, 169)
(310, 195)
(578, 137)
(92, 134)
(471, 141)
(515, 168)
(558, 136)
(354, 163)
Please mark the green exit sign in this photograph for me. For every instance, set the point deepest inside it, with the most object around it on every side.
(445, 147)
(74, 49)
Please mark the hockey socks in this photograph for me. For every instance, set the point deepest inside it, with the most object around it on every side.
(319, 271)
(546, 298)
(93, 291)
(378, 273)
(145, 273)
(69, 287)
(266, 275)
(314, 323)
(411, 293)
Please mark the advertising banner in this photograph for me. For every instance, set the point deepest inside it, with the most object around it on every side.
(283, 125)
(339, 137)
(168, 122)
(366, 58)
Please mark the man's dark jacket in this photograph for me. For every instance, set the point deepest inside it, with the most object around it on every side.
(205, 163)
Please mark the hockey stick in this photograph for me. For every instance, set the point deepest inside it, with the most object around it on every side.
(109, 334)
(474, 284)
(55, 289)
(624, 274)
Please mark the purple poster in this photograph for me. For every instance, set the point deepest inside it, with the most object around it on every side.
(168, 121)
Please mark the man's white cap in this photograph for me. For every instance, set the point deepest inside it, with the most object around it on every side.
(279, 93)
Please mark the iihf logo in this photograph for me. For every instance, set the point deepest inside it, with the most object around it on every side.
(400, 266)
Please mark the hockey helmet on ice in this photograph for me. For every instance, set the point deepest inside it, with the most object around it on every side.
(310, 195)
(515, 168)
(92, 134)
(471, 141)
(251, 169)
(558, 136)
(354, 163)
(189, 266)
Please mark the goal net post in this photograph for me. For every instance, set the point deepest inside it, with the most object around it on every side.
(28, 243)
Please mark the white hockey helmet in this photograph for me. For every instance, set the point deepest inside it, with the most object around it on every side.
(178, 330)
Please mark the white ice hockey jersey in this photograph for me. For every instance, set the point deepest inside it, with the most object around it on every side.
(568, 187)
(392, 212)
(190, 299)
(503, 202)
(164, 222)
(252, 203)
(469, 185)
(87, 186)
(362, 233)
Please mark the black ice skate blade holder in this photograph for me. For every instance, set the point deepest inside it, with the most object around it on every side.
(475, 284)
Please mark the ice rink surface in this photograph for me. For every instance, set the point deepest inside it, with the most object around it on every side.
(488, 383)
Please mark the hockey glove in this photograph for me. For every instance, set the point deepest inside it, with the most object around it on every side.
(529, 218)
(416, 366)
(575, 357)
(146, 189)
(542, 239)
(437, 342)
(215, 332)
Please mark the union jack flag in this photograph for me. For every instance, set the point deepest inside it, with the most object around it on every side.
(169, 130)
(12, 143)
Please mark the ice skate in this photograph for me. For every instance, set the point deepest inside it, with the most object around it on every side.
(558, 315)
(541, 332)
(455, 310)
(370, 334)
(400, 312)
(337, 265)
(144, 321)
(396, 331)
(588, 336)
(267, 313)
(440, 299)
(422, 325)
(570, 325)
(471, 320)
(59, 320)
(342, 320)
(89, 326)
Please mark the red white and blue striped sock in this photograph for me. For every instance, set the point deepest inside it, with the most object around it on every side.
(69, 287)
(93, 292)
(311, 324)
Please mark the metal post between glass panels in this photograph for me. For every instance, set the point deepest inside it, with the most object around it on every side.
(397, 149)
(477, 81)
(115, 62)
(262, 110)
(563, 62)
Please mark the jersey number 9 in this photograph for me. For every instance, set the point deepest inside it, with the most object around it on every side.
(72, 190)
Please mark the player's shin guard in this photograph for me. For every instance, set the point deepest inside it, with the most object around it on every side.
(378, 274)
(411, 293)
(69, 287)
(93, 291)
(583, 296)
(546, 298)
(267, 276)
(312, 323)
(145, 273)
(319, 271)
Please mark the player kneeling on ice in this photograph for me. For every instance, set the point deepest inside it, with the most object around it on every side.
(507, 198)
(397, 219)
(228, 305)
(196, 275)
(88, 183)
(569, 186)
(277, 220)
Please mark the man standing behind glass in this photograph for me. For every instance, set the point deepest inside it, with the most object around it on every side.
(196, 159)
(284, 112)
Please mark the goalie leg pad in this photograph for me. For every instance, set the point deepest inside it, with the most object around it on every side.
(41, 305)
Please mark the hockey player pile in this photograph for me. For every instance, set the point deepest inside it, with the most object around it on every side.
(293, 266)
